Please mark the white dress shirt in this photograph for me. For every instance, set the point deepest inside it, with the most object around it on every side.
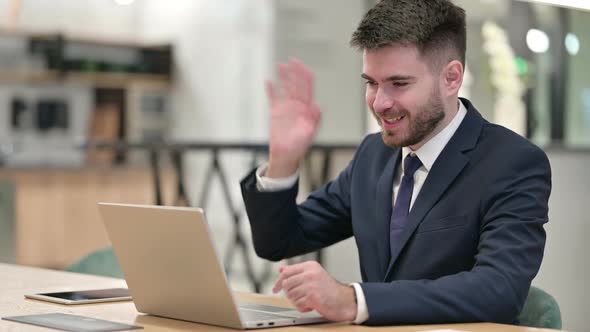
(428, 154)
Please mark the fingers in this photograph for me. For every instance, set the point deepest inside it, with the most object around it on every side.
(286, 272)
(301, 305)
(308, 286)
(287, 88)
(296, 80)
(315, 113)
(305, 80)
(295, 281)
(295, 294)
(299, 298)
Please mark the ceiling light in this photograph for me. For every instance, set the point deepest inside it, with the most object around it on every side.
(572, 44)
(537, 41)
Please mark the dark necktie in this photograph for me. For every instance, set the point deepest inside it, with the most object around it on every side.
(401, 208)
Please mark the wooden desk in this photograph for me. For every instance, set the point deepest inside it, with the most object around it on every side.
(15, 281)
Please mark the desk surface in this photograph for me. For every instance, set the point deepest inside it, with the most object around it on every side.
(15, 281)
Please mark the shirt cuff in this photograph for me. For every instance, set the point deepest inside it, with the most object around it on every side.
(362, 313)
(264, 183)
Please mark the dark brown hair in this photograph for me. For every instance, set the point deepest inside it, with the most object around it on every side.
(433, 26)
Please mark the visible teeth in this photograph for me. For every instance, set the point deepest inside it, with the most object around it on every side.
(394, 119)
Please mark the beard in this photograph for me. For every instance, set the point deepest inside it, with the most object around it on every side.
(420, 123)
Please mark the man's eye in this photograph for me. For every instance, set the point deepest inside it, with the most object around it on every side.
(370, 83)
(400, 84)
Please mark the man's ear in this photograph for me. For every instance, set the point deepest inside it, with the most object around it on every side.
(452, 78)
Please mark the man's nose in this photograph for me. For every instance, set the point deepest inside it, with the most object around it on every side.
(382, 102)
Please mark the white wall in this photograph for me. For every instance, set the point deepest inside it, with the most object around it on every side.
(222, 54)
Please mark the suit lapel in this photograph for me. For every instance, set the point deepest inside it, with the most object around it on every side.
(383, 207)
(445, 170)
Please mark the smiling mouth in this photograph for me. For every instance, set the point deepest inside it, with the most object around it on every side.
(393, 120)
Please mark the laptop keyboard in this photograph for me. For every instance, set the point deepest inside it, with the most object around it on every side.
(250, 315)
(253, 311)
(260, 312)
(263, 307)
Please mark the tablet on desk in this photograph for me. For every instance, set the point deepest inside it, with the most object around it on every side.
(84, 296)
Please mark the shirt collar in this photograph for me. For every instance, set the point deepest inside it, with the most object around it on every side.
(432, 149)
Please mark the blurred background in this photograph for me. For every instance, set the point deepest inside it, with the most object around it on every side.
(162, 102)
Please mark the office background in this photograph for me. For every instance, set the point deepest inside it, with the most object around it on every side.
(219, 53)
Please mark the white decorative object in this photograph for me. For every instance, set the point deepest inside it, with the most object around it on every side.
(509, 108)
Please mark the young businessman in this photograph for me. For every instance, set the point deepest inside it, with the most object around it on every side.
(447, 209)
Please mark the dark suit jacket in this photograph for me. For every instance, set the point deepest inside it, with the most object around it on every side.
(473, 242)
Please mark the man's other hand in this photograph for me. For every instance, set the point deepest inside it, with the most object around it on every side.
(309, 287)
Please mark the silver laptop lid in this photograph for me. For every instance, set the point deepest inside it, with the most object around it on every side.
(169, 262)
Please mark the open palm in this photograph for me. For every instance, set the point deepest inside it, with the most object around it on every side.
(295, 116)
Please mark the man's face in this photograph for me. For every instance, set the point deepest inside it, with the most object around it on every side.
(403, 95)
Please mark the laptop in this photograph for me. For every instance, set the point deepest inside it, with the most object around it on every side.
(172, 269)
